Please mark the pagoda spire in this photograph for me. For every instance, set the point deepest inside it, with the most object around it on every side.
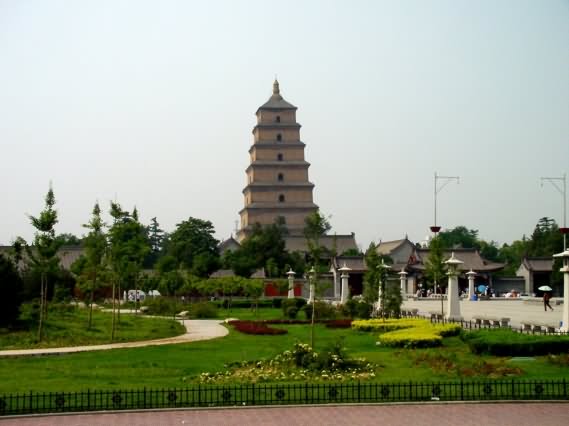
(276, 90)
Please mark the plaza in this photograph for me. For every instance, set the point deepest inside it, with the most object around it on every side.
(518, 310)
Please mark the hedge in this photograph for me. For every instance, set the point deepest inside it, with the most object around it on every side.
(511, 343)
(410, 333)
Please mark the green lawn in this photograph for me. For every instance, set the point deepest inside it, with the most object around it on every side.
(180, 364)
(69, 328)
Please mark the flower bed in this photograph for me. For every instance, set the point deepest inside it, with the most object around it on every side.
(256, 327)
(339, 323)
(409, 333)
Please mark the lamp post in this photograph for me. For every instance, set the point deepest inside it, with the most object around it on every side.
(345, 289)
(470, 274)
(563, 191)
(382, 267)
(403, 282)
(565, 269)
(438, 188)
(291, 275)
(453, 303)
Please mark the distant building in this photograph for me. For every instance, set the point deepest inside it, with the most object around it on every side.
(536, 271)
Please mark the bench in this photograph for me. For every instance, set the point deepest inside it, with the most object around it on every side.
(526, 326)
(436, 315)
(504, 322)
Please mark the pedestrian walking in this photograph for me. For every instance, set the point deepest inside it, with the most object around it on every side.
(546, 298)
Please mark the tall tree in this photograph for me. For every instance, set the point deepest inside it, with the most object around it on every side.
(95, 248)
(316, 225)
(128, 247)
(43, 255)
(194, 246)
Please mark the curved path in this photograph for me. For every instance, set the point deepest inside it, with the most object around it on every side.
(195, 330)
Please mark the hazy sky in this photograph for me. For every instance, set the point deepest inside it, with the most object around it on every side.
(153, 102)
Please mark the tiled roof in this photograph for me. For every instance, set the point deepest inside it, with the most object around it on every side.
(538, 264)
(355, 263)
(343, 242)
(276, 101)
(470, 257)
(67, 254)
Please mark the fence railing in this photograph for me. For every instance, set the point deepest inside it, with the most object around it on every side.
(275, 394)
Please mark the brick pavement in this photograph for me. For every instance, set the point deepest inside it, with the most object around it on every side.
(477, 414)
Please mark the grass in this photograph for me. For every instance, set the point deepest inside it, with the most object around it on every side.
(69, 328)
(179, 365)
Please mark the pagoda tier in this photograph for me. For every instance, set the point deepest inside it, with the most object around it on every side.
(277, 176)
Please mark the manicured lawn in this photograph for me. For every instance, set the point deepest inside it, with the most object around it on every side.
(179, 365)
(69, 328)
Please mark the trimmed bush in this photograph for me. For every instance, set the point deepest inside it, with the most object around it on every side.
(511, 343)
(322, 310)
(204, 310)
(409, 333)
(287, 304)
(339, 323)
(256, 327)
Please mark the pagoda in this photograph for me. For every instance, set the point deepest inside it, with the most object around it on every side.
(278, 189)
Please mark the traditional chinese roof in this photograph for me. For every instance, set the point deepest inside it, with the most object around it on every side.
(276, 101)
(342, 242)
(470, 256)
(67, 254)
(355, 263)
(538, 264)
(229, 273)
(228, 244)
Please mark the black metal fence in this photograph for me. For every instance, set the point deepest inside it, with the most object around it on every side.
(538, 329)
(274, 394)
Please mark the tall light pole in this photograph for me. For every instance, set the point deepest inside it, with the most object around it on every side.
(445, 180)
(563, 191)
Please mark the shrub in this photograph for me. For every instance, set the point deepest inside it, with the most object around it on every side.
(291, 312)
(277, 302)
(296, 302)
(415, 333)
(322, 310)
(163, 306)
(363, 309)
(204, 310)
(339, 323)
(511, 343)
(256, 327)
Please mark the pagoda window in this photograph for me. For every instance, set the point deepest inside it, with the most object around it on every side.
(281, 198)
(280, 177)
(279, 137)
(279, 157)
(278, 119)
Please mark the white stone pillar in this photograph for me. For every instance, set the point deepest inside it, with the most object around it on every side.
(345, 288)
(565, 270)
(453, 302)
(403, 278)
(290, 274)
(470, 274)
(311, 278)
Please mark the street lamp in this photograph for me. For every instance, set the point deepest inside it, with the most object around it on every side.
(563, 191)
(311, 276)
(565, 269)
(438, 188)
(453, 302)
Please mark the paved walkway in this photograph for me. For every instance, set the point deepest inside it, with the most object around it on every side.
(516, 310)
(499, 414)
(195, 330)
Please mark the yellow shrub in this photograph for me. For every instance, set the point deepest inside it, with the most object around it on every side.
(408, 332)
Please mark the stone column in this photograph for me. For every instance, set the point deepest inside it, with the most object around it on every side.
(403, 278)
(565, 270)
(311, 277)
(453, 302)
(470, 274)
(345, 288)
(290, 274)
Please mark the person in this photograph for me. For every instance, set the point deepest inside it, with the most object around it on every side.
(546, 298)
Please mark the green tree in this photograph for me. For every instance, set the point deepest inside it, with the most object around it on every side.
(194, 246)
(11, 290)
(156, 239)
(459, 237)
(435, 268)
(95, 249)
(316, 225)
(371, 276)
(43, 254)
(128, 247)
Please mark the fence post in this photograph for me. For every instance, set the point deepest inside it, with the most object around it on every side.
(564, 388)
(461, 390)
(253, 394)
(358, 391)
